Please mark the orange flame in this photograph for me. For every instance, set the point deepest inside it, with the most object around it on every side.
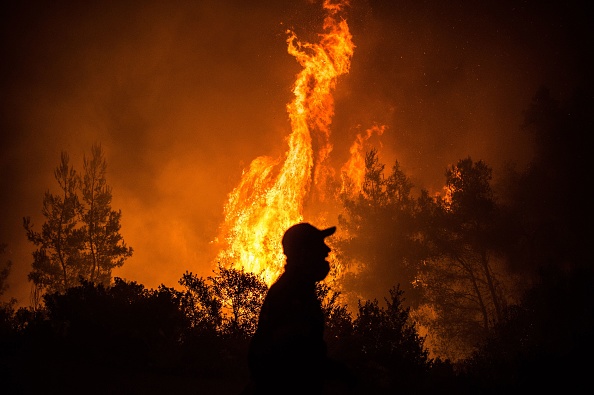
(353, 171)
(268, 200)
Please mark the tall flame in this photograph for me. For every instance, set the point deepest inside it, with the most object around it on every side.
(271, 194)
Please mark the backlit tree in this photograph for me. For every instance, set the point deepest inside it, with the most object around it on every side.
(104, 247)
(57, 262)
(80, 238)
(462, 278)
(380, 244)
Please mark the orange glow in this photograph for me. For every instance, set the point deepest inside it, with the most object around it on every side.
(353, 171)
(272, 192)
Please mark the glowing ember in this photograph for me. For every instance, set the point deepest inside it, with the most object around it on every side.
(271, 193)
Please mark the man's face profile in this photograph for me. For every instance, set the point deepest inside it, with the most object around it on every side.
(307, 251)
(318, 266)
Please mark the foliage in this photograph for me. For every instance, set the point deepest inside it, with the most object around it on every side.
(4, 271)
(338, 320)
(7, 309)
(550, 217)
(202, 307)
(390, 350)
(228, 302)
(380, 246)
(463, 286)
(122, 325)
(444, 251)
(93, 331)
(7, 318)
(56, 262)
(242, 294)
(472, 241)
(542, 340)
(80, 238)
(104, 247)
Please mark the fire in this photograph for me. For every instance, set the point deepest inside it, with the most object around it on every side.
(272, 192)
(353, 171)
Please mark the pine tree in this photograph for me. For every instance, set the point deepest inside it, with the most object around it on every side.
(80, 238)
(104, 247)
(56, 262)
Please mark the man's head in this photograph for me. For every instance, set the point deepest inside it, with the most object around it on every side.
(306, 250)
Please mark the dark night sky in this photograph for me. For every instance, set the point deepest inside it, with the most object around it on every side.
(182, 95)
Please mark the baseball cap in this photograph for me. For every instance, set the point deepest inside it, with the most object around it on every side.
(304, 234)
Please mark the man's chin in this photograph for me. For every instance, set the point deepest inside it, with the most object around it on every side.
(323, 272)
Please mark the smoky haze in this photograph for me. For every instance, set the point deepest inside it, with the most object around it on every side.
(183, 95)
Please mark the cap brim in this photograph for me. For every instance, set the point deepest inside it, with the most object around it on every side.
(328, 231)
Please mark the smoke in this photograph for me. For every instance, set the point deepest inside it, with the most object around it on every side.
(183, 95)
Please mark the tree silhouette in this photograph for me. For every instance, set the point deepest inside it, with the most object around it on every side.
(223, 314)
(464, 281)
(202, 306)
(6, 308)
(104, 247)
(338, 320)
(544, 338)
(380, 232)
(122, 326)
(551, 220)
(81, 234)
(229, 301)
(388, 350)
(4, 271)
(542, 341)
(57, 263)
(242, 294)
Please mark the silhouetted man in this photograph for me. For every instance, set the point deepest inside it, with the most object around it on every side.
(288, 354)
